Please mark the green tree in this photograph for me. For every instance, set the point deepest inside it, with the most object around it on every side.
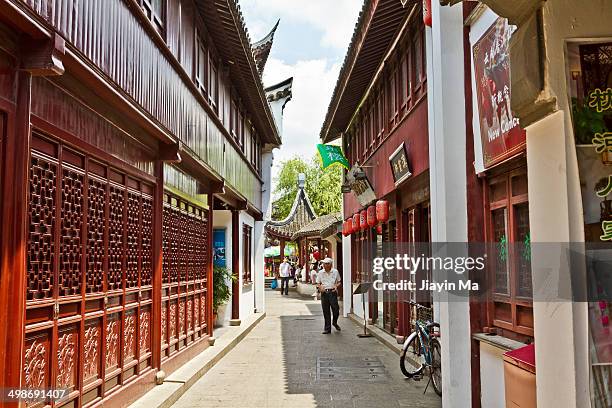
(322, 186)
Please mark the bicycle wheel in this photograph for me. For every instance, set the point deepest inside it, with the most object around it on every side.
(412, 360)
(436, 366)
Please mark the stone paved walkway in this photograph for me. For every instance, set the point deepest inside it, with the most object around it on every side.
(276, 366)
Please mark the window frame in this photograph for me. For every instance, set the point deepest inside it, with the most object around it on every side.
(157, 20)
(522, 304)
(201, 63)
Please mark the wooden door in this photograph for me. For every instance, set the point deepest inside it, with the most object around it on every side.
(89, 275)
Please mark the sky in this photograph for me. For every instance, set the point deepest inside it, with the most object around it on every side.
(310, 44)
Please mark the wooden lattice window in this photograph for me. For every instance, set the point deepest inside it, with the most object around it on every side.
(184, 319)
(89, 265)
(510, 306)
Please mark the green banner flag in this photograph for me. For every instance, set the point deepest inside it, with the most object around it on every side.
(331, 154)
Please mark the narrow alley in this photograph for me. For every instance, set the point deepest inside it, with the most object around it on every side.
(282, 363)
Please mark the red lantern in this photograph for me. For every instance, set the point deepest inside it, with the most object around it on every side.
(379, 229)
(349, 226)
(356, 222)
(427, 12)
(363, 219)
(371, 216)
(344, 228)
(382, 211)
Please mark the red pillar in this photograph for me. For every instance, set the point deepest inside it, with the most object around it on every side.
(209, 274)
(13, 236)
(157, 262)
(235, 264)
(400, 222)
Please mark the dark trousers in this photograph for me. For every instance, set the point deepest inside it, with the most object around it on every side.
(330, 300)
(285, 284)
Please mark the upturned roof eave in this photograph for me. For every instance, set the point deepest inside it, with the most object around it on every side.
(331, 130)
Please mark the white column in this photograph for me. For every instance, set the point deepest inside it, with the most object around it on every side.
(560, 328)
(347, 284)
(267, 159)
(258, 277)
(447, 141)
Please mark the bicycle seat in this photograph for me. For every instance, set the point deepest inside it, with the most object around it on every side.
(431, 324)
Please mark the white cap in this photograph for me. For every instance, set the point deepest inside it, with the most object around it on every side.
(328, 260)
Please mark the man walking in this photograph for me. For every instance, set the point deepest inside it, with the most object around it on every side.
(328, 280)
(285, 274)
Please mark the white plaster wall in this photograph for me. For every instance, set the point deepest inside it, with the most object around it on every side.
(549, 222)
(447, 142)
(247, 292)
(222, 219)
(564, 20)
(347, 283)
(259, 232)
(492, 391)
(258, 267)
(358, 306)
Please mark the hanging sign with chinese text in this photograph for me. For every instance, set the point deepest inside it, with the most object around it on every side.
(500, 133)
(399, 164)
(360, 185)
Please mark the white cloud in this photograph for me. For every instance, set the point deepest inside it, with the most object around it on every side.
(313, 83)
(335, 19)
(320, 30)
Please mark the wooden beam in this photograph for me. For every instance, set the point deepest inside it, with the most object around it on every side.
(44, 57)
(212, 187)
(169, 153)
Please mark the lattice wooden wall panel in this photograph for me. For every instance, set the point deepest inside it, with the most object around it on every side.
(184, 245)
(89, 274)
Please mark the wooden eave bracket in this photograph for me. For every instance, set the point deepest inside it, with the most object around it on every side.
(212, 187)
(170, 153)
(44, 57)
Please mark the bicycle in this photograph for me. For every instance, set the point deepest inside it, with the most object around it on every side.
(422, 350)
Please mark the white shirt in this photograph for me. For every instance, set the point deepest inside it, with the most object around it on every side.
(328, 279)
(285, 270)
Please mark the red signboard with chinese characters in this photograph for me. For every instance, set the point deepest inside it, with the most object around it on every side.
(500, 132)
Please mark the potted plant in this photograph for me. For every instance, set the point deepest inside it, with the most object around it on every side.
(222, 279)
(587, 122)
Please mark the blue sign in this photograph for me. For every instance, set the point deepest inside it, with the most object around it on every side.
(219, 247)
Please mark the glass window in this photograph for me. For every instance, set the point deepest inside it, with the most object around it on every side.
(201, 65)
(155, 12)
(510, 306)
(213, 91)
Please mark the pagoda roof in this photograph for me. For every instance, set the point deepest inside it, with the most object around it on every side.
(261, 49)
(319, 226)
(301, 214)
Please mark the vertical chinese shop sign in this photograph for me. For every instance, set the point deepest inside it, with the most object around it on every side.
(219, 247)
(501, 135)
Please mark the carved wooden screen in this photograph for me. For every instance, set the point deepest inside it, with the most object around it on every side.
(184, 246)
(89, 274)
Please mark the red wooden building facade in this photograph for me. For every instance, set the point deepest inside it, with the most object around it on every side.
(387, 59)
(121, 124)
